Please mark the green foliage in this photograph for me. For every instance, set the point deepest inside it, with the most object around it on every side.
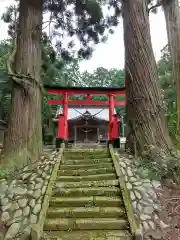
(3, 173)
(10, 16)
(81, 20)
(5, 86)
(160, 168)
(74, 21)
(102, 77)
(168, 92)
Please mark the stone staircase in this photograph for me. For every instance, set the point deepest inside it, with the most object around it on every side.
(86, 203)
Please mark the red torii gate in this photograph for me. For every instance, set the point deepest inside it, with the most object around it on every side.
(62, 136)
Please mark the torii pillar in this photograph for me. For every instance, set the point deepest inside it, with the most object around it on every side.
(113, 133)
(62, 136)
(65, 113)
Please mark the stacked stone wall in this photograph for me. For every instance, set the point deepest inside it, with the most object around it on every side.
(21, 198)
(143, 197)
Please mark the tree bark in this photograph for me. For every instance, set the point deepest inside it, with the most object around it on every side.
(23, 141)
(172, 17)
(146, 119)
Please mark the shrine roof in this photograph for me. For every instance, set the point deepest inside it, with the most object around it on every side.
(84, 90)
(98, 113)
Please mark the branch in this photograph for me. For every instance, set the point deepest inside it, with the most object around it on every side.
(159, 4)
(167, 45)
(49, 22)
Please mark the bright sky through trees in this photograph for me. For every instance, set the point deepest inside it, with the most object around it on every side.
(111, 54)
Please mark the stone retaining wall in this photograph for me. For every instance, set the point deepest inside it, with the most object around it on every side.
(143, 197)
(21, 198)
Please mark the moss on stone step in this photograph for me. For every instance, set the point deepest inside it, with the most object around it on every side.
(95, 191)
(90, 201)
(86, 161)
(86, 166)
(85, 172)
(97, 177)
(110, 201)
(85, 223)
(89, 235)
(86, 157)
(86, 151)
(86, 202)
(102, 183)
(71, 201)
(86, 212)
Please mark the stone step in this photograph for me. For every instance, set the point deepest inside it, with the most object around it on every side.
(88, 156)
(97, 177)
(86, 212)
(85, 172)
(102, 183)
(88, 235)
(86, 166)
(99, 201)
(85, 223)
(94, 191)
(84, 150)
(86, 199)
(86, 161)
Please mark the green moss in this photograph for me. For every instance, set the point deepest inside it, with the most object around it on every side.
(3, 172)
(8, 172)
(125, 194)
(37, 229)
(166, 168)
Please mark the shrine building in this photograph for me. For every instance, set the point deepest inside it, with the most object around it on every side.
(86, 124)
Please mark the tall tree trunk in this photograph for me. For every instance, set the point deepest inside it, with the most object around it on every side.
(172, 17)
(24, 135)
(146, 119)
